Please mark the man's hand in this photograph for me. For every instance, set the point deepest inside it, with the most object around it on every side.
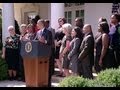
(42, 39)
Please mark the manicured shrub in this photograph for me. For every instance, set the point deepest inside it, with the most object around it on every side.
(106, 78)
(110, 77)
(73, 81)
(98, 83)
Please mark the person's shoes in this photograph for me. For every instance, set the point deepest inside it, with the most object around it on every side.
(23, 79)
(19, 79)
(14, 78)
(60, 75)
(49, 84)
(10, 78)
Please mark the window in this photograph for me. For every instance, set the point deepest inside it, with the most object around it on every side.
(78, 4)
(77, 13)
(68, 4)
(68, 16)
(73, 4)
(116, 8)
(80, 14)
(29, 16)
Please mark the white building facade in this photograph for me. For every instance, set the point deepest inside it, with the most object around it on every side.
(22, 12)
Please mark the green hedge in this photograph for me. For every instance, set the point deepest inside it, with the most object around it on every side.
(73, 81)
(3, 69)
(110, 76)
(106, 78)
(99, 83)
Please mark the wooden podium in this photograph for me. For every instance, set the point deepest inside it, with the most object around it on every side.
(36, 63)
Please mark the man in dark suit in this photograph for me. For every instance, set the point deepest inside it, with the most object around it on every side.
(45, 37)
(86, 56)
(52, 57)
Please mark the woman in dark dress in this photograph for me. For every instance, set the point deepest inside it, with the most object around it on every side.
(101, 19)
(102, 58)
(74, 49)
(11, 52)
(58, 38)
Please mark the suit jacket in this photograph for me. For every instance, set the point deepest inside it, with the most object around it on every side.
(115, 41)
(47, 35)
(74, 48)
(87, 50)
(52, 31)
(53, 35)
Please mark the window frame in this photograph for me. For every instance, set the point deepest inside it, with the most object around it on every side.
(67, 17)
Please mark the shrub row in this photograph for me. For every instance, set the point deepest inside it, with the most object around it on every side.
(106, 78)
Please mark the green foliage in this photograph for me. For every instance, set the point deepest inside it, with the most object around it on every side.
(110, 76)
(106, 78)
(3, 69)
(73, 81)
(98, 83)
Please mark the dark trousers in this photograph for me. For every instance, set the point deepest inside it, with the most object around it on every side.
(51, 67)
(85, 70)
(117, 56)
(21, 68)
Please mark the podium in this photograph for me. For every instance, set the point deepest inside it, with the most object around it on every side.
(36, 63)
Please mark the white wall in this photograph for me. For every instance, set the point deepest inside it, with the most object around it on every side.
(17, 12)
(93, 11)
(44, 10)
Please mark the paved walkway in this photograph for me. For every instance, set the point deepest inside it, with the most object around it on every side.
(55, 81)
(14, 83)
(7, 83)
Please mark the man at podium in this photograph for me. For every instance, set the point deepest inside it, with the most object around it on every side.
(45, 37)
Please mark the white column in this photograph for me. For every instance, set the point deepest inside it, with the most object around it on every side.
(7, 19)
(57, 11)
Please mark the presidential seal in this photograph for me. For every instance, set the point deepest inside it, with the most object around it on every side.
(28, 47)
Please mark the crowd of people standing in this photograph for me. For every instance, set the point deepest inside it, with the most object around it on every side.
(73, 47)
